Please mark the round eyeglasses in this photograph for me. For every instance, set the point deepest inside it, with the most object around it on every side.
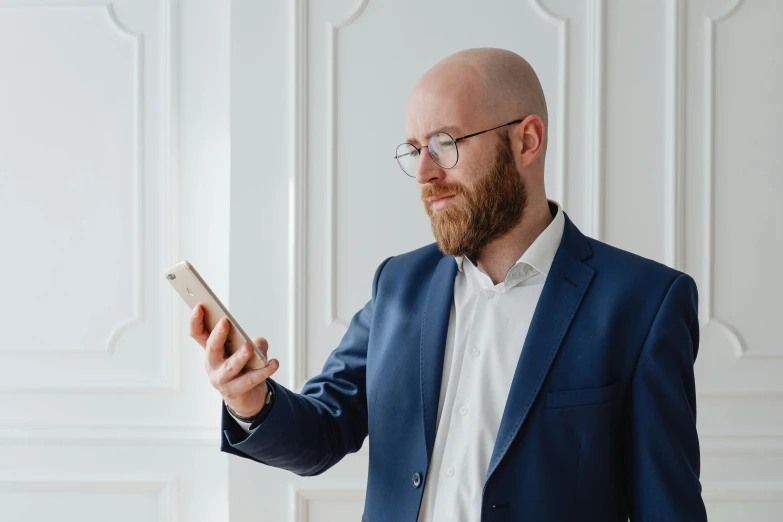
(441, 146)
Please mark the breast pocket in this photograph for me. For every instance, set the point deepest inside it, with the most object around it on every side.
(583, 397)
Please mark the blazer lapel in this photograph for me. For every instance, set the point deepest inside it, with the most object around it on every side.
(435, 324)
(565, 286)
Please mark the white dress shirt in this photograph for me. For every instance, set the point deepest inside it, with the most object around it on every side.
(487, 328)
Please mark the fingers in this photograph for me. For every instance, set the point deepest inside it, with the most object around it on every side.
(232, 366)
(198, 331)
(242, 384)
(216, 342)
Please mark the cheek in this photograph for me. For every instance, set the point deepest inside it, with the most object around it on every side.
(476, 161)
(469, 176)
(466, 171)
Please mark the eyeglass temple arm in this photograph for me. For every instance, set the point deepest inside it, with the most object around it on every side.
(482, 132)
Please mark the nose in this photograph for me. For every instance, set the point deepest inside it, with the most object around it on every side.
(426, 169)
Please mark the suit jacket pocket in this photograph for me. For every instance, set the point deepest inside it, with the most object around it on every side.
(584, 397)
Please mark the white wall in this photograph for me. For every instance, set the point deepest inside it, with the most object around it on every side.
(664, 141)
(114, 165)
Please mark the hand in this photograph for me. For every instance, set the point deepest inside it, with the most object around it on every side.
(243, 392)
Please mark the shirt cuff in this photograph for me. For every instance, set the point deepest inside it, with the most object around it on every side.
(244, 425)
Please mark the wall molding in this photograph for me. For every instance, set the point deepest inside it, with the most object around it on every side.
(169, 378)
(674, 178)
(563, 28)
(297, 246)
(139, 119)
(134, 39)
(301, 497)
(171, 337)
(333, 29)
(743, 491)
(708, 317)
(298, 189)
(595, 127)
(597, 119)
(740, 394)
(741, 444)
(106, 435)
(166, 487)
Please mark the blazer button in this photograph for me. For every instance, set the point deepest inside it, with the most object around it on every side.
(416, 480)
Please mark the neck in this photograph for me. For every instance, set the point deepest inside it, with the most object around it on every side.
(498, 256)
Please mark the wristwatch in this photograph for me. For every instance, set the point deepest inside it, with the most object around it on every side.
(256, 419)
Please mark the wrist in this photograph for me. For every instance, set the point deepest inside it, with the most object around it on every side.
(268, 395)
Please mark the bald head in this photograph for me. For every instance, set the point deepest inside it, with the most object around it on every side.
(485, 86)
(507, 82)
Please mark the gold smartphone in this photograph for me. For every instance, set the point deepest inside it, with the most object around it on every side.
(193, 289)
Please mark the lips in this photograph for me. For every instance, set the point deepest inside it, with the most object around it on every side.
(433, 199)
(439, 203)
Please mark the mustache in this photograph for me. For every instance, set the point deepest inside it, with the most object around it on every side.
(428, 192)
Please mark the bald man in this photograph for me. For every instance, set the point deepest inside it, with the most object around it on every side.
(515, 369)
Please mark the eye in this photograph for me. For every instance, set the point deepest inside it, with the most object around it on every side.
(414, 153)
(443, 141)
(447, 144)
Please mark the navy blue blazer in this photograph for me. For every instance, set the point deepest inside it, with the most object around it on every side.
(600, 420)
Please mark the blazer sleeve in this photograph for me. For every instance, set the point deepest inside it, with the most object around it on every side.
(663, 446)
(309, 432)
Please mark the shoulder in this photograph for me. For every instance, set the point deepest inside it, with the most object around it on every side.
(423, 259)
(629, 267)
(633, 280)
(405, 275)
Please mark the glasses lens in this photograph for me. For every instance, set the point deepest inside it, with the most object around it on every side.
(443, 150)
(407, 156)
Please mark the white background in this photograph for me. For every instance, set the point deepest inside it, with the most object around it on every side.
(254, 138)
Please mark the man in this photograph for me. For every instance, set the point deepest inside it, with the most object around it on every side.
(513, 370)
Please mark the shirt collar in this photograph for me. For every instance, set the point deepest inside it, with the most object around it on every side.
(542, 252)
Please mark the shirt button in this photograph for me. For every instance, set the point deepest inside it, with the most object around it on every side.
(450, 472)
(463, 410)
(416, 480)
(489, 294)
(475, 352)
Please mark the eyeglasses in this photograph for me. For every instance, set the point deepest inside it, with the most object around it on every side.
(441, 146)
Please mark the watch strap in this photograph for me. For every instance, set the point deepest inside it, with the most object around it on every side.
(256, 419)
(270, 401)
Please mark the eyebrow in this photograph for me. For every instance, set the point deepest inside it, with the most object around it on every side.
(451, 129)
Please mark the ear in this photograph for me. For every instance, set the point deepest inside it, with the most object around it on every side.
(528, 140)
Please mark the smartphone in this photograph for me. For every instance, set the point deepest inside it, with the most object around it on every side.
(193, 289)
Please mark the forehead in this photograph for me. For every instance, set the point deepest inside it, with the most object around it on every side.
(438, 105)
